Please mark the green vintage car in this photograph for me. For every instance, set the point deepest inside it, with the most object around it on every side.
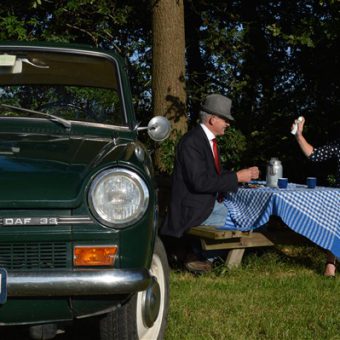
(78, 200)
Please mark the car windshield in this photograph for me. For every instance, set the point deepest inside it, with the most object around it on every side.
(72, 86)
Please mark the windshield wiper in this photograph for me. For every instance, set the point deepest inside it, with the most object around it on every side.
(57, 119)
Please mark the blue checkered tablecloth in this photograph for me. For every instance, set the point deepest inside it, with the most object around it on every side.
(313, 213)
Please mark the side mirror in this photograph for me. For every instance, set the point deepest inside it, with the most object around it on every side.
(159, 128)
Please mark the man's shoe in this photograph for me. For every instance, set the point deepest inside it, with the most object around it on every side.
(195, 266)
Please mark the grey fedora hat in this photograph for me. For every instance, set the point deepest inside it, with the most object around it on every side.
(218, 105)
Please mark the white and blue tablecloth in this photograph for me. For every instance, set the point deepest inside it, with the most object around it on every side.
(313, 213)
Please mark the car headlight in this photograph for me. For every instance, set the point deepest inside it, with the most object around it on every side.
(118, 196)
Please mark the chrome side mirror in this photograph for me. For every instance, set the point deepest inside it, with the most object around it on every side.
(159, 128)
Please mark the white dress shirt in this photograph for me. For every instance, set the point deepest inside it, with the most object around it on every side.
(210, 137)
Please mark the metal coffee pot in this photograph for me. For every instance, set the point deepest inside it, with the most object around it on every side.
(274, 172)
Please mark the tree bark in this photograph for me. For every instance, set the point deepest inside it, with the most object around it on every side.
(197, 79)
(168, 66)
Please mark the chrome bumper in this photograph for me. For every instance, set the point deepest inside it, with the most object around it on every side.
(73, 283)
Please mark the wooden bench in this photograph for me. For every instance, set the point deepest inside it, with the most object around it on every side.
(235, 242)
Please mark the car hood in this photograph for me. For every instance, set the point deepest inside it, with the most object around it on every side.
(51, 169)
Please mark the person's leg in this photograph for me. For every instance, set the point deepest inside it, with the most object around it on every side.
(195, 261)
(218, 215)
(176, 248)
(330, 268)
(217, 219)
(183, 251)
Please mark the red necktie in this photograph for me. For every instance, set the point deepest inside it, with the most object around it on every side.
(216, 158)
(220, 196)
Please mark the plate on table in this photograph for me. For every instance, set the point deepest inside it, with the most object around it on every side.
(253, 185)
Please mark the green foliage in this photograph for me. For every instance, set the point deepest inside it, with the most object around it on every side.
(12, 28)
(331, 179)
(232, 147)
(275, 60)
(36, 3)
(305, 38)
(167, 152)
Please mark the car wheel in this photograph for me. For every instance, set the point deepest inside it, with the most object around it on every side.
(144, 316)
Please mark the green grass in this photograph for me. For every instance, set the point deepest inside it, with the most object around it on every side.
(274, 295)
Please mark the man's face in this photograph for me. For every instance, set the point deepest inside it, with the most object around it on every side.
(218, 125)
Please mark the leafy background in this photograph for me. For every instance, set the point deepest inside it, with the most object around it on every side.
(275, 59)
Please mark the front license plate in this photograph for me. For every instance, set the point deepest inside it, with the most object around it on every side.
(3, 285)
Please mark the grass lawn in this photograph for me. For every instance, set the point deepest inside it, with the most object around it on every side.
(276, 294)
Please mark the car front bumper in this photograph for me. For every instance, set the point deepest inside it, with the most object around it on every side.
(77, 282)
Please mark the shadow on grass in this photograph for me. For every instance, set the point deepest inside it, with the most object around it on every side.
(278, 258)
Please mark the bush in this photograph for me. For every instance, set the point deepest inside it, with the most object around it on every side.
(231, 147)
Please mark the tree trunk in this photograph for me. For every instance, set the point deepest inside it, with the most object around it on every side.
(197, 78)
(168, 67)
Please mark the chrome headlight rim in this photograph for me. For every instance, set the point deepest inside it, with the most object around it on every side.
(136, 178)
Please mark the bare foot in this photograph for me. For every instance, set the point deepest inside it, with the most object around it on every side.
(330, 270)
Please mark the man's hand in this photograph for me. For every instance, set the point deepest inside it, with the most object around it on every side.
(246, 175)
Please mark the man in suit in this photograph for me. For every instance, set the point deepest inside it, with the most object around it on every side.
(198, 179)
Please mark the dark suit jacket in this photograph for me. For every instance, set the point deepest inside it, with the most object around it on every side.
(195, 183)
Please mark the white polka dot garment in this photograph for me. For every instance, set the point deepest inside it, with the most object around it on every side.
(328, 151)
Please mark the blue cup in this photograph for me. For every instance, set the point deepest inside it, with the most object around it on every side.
(311, 182)
(282, 183)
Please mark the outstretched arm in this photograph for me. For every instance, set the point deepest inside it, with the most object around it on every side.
(306, 148)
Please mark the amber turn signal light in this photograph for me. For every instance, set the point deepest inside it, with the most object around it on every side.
(94, 255)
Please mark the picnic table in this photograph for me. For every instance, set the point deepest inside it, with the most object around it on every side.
(311, 213)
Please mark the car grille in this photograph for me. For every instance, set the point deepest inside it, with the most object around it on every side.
(35, 255)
